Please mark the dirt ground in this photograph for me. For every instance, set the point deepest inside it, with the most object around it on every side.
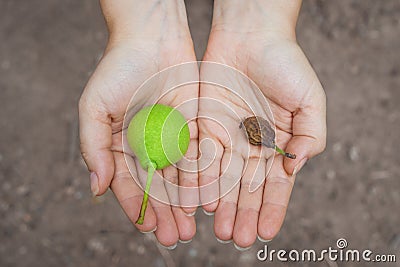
(47, 216)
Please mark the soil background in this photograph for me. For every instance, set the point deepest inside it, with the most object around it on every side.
(48, 50)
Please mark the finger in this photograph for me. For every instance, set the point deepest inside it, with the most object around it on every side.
(232, 165)
(209, 171)
(170, 175)
(129, 194)
(186, 224)
(245, 229)
(95, 141)
(188, 179)
(258, 180)
(188, 169)
(277, 191)
(167, 231)
(309, 131)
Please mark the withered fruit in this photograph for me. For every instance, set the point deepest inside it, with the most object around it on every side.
(259, 132)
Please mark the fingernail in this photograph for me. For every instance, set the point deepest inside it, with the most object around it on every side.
(170, 247)
(94, 183)
(190, 214)
(185, 241)
(240, 248)
(299, 166)
(148, 232)
(208, 213)
(263, 240)
(224, 241)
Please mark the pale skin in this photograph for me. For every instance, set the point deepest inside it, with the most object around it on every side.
(255, 37)
(258, 38)
(139, 45)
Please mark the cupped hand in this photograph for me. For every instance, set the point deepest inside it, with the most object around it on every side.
(126, 64)
(277, 65)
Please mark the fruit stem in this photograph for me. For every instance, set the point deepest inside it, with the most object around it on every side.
(288, 155)
(150, 172)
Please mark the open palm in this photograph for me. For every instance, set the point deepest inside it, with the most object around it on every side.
(122, 70)
(297, 101)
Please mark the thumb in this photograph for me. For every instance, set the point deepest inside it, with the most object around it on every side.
(96, 140)
(304, 147)
(309, 135)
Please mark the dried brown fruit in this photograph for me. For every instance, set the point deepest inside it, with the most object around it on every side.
(259, 132)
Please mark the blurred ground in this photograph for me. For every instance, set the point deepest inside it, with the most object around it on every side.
(47, 51)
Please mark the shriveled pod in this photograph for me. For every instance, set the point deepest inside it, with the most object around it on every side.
(259, 132)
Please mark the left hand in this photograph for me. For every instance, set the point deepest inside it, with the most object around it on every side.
(264, 49)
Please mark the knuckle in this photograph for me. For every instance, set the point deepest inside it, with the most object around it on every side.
(279, 181)
(228, 179)
(208, 177)
(172, 179)
(121, 176)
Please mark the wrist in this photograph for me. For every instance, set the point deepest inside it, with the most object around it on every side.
(145, 20)
(270, 17)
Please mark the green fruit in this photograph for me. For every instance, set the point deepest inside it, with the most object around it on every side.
(159, 136)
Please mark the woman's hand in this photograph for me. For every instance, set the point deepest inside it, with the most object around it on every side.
(145, 37)
(258, 39)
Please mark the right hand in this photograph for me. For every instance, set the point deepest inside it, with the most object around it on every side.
(139, 46)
